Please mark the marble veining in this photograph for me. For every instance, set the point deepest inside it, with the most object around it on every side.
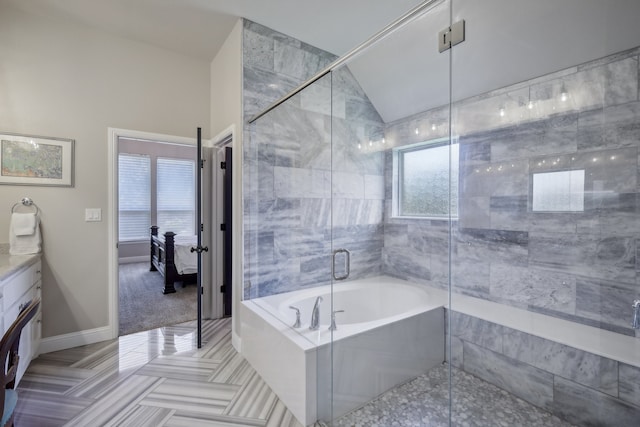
(544, 372)
(579, 366)
(564, 266)
(153, 378)
(306, 179)
(629, 380)
(525, 381)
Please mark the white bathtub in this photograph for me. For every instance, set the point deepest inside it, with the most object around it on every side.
(390, 331)
(367, 304)
(386, 327)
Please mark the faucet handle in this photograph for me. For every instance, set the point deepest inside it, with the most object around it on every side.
(333, 326)
(297, 310)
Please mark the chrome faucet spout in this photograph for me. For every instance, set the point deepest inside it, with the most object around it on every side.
(315, 315)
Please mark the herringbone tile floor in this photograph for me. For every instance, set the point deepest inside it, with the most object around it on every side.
(153, 378)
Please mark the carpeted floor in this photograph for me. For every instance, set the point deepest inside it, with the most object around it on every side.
(142, 306)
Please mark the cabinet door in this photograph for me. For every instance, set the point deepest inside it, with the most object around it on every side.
(36, 335)
(25, 350)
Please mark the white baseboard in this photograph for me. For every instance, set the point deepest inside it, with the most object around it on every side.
(74, 339)
(132, 259)
(236, 341)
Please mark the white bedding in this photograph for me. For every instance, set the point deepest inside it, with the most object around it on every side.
(186, 261)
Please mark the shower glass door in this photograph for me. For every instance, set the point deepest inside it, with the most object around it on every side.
(546, 113)
(287, 246)
(390, 222)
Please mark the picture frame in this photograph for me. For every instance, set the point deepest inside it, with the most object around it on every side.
(36, 160)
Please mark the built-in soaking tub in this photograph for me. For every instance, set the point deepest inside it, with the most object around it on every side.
(390, 332)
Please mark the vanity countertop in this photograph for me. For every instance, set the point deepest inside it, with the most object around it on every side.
(9, 264)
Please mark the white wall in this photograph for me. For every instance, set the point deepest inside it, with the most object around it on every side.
(66, 80)
(226, 83)
(226, 113)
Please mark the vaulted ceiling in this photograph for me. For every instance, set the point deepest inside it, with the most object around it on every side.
(508, 41)
(199, 27)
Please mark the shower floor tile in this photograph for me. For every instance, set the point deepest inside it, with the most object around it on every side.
(424, 402)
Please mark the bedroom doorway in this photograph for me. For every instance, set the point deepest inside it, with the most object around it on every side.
(156, 186)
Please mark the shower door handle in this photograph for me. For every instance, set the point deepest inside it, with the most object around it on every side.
(347, 264)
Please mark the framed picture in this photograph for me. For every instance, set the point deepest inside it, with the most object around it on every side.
(36, 160)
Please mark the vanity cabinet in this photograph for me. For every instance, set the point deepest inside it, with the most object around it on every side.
(16, 291)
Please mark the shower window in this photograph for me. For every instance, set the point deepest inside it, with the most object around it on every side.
(422, 187)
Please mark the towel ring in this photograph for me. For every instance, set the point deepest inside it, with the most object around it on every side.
(26, 202)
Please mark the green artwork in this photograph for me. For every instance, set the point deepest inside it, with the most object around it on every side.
(31, 160)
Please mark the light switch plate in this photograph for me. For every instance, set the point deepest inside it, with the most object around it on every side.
(93, 214)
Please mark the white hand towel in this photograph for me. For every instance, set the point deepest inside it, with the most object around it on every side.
(25, 244)
(23, 224)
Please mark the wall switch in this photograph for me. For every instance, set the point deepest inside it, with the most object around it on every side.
(93, 214)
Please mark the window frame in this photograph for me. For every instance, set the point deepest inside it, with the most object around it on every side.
(398, 173)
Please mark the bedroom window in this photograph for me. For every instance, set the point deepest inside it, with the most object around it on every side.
(134, 199)
(421, 187)
(176, 194)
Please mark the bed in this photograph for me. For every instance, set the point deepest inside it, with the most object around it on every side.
(171, 256)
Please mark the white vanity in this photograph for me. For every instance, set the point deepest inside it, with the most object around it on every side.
(20, 282)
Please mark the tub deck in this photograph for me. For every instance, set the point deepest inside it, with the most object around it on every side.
(291, 360)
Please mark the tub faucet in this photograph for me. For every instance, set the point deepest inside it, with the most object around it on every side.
(635, 324)
(333, 326)
(315, 315)
(297, 322)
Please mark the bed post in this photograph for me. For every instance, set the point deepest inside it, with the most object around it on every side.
(169, 266)
(154, 233)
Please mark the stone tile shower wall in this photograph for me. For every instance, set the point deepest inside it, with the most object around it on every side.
(579, 266)
(289, 220)
(578, 386)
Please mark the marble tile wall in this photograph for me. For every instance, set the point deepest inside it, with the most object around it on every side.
(580, 266)
(580, 387)
(305, 196)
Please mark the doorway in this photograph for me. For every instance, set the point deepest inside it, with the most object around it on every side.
(156, 188)
(130, 257)
(222, 226)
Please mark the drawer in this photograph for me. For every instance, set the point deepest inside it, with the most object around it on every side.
(38, 288)
(17, 286)
(36, 271)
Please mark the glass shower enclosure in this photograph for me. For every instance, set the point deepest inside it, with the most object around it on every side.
(442, 233)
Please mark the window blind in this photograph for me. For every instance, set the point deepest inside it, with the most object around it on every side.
(134, 196)
(176, 195)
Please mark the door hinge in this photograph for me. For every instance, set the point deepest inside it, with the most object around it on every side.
(223, 289)
(202, 163)
(223, 165)
(201, 227)
(451, 36)
(223, 227)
